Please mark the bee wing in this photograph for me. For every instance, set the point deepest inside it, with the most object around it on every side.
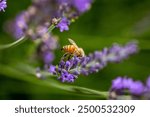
(73, 43)
(82, 51)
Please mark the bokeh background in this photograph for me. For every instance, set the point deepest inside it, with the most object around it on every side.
(108, 22)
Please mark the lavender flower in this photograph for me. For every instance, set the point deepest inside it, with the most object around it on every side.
(82, 5)
(35, 22)
(116, 53)
(20, 25)
(46, 47)
(68, 71)
(147, 89)
(148, 82)
(126, 86)
(3, 5)
(123, 83)
(48, 57)
(117, 83)
(63, 24)
(52, 69)
(41, 13)
(137, 88)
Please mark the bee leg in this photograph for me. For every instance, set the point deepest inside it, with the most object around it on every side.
(70, 56)
(65, 57)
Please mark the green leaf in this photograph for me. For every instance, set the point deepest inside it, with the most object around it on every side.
(19, 41)
(27, 73)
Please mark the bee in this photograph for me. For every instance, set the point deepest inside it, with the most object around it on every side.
(73, 50)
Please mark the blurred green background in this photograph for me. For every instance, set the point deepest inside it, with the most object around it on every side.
(108, 22)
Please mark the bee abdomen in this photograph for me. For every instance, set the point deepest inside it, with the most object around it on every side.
(69, 48)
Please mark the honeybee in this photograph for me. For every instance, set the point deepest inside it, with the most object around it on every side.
(73, 50)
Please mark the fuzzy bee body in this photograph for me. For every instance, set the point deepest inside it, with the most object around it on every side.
(70, 49)
(73, 49)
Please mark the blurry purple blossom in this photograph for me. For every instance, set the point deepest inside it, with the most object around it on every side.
(19, 26)
(52, 69)
(116, 53)
(127, 86)
(148, 82)
(46, 47)
(82, 5)
(147, 89)
(36, 20)
(68, 71)
(63, 25)
(3, 5)
(137, 88)
(117, 83)
(48, 57)
(123, 83)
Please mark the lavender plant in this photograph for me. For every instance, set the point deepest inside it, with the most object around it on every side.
(122, 86)
(37, 23)
(68, 71)
(41, 17)
(3, 5)
(45, 14)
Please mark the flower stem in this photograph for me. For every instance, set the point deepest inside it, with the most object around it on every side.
(51, 28)
(27, 73)
(21, 40)
(53, 25)
(87, 91)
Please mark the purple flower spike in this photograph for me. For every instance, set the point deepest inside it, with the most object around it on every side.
(52, 69)
(41, 14)
(137, 88)
(127, 83)
(123, 85)
(3, 5)
(94, 62)
(147, 89)
(46, 48)
(63, 24)
(148, 83)
(82, 5)
(18, 26)
(117, 53)
(117, 83)
(68, 65)
(48, 57)
(66, 77)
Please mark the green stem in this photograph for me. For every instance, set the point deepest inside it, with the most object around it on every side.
(27, 73)
(86, 91)
(51, 28)
(21, 40)
(53, 25)
(70, 88)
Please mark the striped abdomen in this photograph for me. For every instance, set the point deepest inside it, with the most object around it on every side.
(69, 48)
